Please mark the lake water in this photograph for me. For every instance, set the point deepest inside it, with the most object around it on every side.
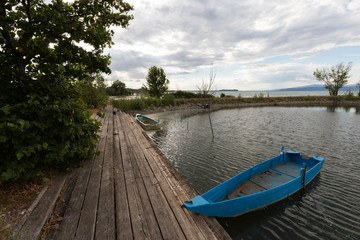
(329, 208)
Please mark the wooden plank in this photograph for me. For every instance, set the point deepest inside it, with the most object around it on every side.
(122, 214)
(86, 225)
(140, 178)
(105, 221)
(182, 190)
(270, 179)
(70, 219)
(139, 225)
(36, 220)
(289, 168)
(189, 227)
(68, 225)
(169, 227)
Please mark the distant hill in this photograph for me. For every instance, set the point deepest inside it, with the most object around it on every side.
(318, 87)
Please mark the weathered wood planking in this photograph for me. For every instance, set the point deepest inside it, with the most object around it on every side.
(166, 220)
(71, 217)
(86, 226)
(131, 191)
(123, 222)
(193, 224)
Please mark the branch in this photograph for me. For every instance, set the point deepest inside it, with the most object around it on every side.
(26, 4)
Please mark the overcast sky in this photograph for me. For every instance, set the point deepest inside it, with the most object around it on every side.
(251, 44)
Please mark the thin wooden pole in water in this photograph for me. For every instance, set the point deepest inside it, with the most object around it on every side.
(212, 131)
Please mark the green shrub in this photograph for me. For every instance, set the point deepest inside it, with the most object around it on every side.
(129, 104)
(168, 100)
(92, 92)
(183, 94)
(222, 95)
(350, 96)
(40, 131)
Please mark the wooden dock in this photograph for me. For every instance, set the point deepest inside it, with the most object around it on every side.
(130, 191)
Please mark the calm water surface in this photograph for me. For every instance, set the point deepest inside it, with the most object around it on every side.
(329, 208)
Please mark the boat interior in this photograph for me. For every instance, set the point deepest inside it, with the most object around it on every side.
(271, 178)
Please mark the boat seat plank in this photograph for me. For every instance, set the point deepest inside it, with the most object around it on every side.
(270, 179)
(290, 168)
(283, 173)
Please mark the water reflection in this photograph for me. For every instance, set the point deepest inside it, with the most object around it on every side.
(355, 110)
(328, 209)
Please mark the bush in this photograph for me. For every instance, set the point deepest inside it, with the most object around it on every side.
(40, 131)
(142, 103)
(93, 92)
(350, 96)
(222, 95)
(183, 94)
(129, 104)
(168, 100)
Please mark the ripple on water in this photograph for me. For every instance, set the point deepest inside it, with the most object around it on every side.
(329, 208)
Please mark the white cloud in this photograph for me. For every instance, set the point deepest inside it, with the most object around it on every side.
(185, 37)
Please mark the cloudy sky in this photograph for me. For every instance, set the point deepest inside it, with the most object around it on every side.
(250, 44)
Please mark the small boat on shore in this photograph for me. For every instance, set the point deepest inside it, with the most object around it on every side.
(259, 186)
(147, 123)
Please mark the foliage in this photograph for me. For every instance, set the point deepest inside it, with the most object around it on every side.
(358, 86)
(157, 83)
(334, 78)
(139, 104)
(43, 121)
(168, 100)
(222, 95)
(117, 88)
(202, 95)
(93, 92)
(350, 96)
(183, 94)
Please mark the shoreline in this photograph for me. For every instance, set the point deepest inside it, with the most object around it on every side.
(215, 104)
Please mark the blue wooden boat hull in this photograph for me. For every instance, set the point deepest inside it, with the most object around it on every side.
(147, 123)
(259, 186)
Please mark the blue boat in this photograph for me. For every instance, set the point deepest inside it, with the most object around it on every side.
(258, 186)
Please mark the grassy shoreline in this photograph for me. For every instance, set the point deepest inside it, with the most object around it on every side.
(134, 106)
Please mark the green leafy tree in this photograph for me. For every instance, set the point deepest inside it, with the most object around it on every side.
(43, 121)
(117, 88)
(157, 83)
(358, 86)
(334, 78)
(93, 91)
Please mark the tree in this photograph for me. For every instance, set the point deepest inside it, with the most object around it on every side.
(207, 87)
(334, 78)
(117, 88)
(358, 86)
(157, 83)
(43, 121)
(92, 91)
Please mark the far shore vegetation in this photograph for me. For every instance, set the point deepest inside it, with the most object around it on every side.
(173, 101)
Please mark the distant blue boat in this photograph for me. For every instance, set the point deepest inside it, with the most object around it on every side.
(147, 123)
(258, 186)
